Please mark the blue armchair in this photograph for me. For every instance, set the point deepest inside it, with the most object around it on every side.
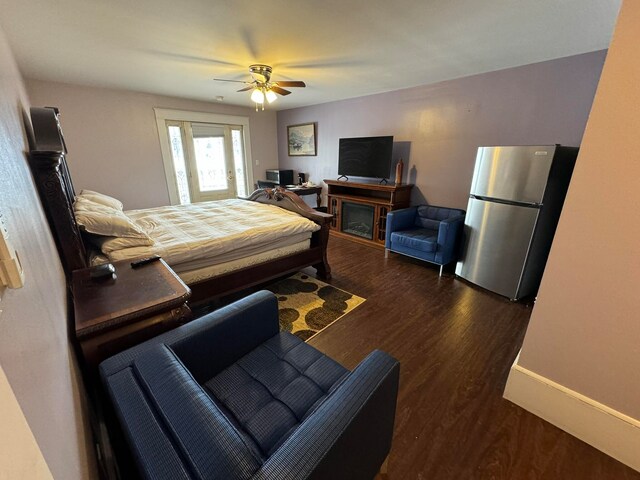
(229, 396)
(425, 232)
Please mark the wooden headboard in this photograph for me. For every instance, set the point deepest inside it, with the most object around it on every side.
(48, 165)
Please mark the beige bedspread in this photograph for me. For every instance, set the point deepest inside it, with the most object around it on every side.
(215, 232)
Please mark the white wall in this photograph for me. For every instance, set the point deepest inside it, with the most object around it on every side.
(579, 364)
(585, 328)
(113, 142)
(21, 457)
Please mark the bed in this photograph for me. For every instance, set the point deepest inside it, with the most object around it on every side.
(217, 269)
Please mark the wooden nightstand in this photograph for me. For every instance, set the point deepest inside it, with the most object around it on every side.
(112, 315)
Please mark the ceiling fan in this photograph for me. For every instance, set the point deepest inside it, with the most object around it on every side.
(262, 87)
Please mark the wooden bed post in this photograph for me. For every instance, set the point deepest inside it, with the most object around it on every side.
(323, 268)
(56, 193)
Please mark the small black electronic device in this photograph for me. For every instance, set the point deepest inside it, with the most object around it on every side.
(143, 261)
(102, 272)
(281, 177)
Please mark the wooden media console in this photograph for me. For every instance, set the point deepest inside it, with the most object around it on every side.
(360, 209)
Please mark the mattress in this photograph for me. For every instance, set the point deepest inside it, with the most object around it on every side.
(197, 275)
(200, 235)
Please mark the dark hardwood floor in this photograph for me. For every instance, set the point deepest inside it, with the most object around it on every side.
(455, 344)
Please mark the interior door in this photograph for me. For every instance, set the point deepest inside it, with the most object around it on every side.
(211, 162)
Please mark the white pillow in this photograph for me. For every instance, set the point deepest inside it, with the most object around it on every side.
(102, 220)
(102, 199)
(85, 204)
(111, 244)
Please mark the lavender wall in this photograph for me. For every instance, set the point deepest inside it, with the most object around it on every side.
(437, 128)
(113, 141)
(35, 352)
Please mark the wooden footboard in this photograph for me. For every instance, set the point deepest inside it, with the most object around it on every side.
(315, 256)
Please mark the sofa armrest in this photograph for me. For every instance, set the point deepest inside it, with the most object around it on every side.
(448, 234)
(402, 219)
(349, 436)
(171, 424)
(211, 343)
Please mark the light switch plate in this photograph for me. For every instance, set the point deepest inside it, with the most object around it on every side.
(11, 273)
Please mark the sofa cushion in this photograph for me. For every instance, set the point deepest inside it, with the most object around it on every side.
(271, 390)
(422, 239)
(428, 216)
(186, 412)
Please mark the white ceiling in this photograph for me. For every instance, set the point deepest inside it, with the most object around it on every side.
(341, 49)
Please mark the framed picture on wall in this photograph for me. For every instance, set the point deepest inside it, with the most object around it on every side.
(302, 140)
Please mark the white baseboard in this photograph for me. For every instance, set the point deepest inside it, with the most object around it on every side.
(602, 427)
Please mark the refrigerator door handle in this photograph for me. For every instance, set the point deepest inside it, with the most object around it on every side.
(506, 202)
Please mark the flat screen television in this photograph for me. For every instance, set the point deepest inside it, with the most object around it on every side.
(365, 157)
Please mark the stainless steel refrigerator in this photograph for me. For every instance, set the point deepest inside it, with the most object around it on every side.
(516, 198)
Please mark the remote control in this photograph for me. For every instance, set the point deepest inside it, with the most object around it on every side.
(144, 261)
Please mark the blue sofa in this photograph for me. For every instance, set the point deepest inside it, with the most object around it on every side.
(228, 396)
(425, 232)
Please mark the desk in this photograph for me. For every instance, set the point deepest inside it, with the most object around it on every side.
(112, 315)
(302, 191)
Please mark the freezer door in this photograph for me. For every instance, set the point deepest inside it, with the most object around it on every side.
(497, 238)
(517, 174)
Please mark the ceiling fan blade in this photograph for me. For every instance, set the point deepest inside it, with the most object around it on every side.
(279, 90)
(245, 89)
(225, 80)
(291, 83)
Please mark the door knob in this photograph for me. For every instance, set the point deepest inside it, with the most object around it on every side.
(229, 175)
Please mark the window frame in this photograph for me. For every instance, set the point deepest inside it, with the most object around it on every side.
(164, 114)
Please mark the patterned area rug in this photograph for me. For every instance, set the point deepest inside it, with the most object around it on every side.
(308, 305)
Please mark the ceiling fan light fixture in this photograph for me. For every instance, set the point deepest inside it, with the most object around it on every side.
(257, 96)
(262, 89)
(271, 96)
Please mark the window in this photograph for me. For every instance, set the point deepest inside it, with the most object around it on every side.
(206, 156)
